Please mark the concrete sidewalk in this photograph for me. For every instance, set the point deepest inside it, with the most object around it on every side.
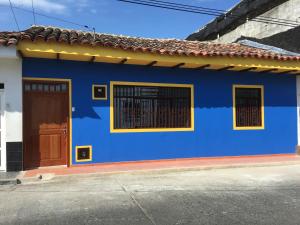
(177, 164)
(233, 196)
(9, 178)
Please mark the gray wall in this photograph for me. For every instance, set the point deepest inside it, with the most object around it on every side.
(289, 10)
(288, 40)
(285, 37)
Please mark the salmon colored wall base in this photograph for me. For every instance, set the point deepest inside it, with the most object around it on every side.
(203, 159)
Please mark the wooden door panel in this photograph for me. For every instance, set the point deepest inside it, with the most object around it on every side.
(50, 147)
(31, 152)
(49, 110)
(46, 121)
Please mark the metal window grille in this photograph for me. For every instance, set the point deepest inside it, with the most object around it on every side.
(151, 107)
(248, 107)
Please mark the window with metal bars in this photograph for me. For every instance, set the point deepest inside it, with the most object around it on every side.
(145, 107)
(248, 107)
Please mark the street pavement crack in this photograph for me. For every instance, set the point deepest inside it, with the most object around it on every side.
(136, 202)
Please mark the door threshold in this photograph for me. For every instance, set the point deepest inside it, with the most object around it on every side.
(52, 167)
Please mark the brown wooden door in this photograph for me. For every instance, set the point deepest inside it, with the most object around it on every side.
(46, 115)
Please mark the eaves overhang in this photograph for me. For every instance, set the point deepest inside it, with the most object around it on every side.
(87, 53)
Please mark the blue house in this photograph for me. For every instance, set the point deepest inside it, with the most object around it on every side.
(97, 98)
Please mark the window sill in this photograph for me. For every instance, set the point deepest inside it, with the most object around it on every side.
(151, 130)
(249, 128)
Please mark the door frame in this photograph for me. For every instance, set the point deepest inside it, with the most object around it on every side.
(298, 109)
(3, 131)
(69, 82)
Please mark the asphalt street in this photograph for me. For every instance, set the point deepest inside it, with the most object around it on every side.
(258, 195)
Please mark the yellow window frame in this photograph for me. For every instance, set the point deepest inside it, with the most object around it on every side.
(261, 87)
(140, 130)
(93, 91)
(91, 153)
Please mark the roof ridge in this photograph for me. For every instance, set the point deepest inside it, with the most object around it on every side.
(116, 35)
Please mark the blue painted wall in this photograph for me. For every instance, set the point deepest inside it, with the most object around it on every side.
(213, 135)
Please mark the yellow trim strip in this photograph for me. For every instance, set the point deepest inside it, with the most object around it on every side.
(261, 87)
(93, 91)
(91, 153)
(70, 107)
(41, 49)
(113, 130)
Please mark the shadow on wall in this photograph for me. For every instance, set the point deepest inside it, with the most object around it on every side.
(215, 92)
(89, 111)
(213, 89)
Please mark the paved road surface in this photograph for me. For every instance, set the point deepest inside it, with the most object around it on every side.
(260, 195)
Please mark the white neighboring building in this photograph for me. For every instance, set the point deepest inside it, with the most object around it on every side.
(11, 154)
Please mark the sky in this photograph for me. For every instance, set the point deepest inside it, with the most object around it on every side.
(111, 16)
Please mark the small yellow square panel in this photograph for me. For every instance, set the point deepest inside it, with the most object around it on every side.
(83, 153)
(99, 92)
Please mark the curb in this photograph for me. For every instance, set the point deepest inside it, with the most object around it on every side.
(40, 178)
(10, 182)
(50, 177)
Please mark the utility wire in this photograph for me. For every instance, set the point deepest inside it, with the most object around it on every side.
(33, 13)
(189, 6)
(217, 10)
(53, 18)
(208, 11)
(15, 18)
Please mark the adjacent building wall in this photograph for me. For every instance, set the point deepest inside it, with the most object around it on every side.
(288, 10)
(11, 76)
(231, 29)
(213, 135)
(288, 40)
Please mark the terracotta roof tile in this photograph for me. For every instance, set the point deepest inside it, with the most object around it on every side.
(159, 46)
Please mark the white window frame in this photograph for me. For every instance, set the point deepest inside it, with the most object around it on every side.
(3, 132)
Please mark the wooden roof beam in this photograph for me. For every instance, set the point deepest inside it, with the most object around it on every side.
(268, 71)
(152, 63)
(179, 65)
(202, 67)
(123, 61)
(92, 59)
(225, 68)
(288, 72)
(248, 69)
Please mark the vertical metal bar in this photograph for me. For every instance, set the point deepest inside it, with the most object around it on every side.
(121, 108)
(169, 108)
(134, 107)
(127, 121)
(117, 107)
